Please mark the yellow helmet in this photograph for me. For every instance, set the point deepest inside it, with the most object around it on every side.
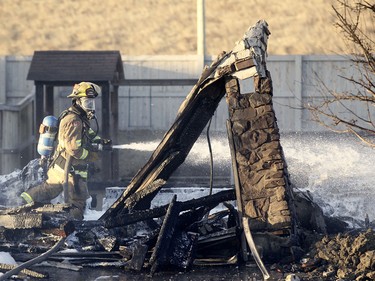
(85, 90)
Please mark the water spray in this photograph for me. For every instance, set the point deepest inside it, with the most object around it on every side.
(122, 146)
(140, 146)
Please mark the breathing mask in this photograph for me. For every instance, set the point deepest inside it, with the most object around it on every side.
(88, 105)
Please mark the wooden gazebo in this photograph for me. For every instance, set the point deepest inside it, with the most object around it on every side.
(65, 68)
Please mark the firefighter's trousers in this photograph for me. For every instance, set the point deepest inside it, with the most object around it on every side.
(53, 186)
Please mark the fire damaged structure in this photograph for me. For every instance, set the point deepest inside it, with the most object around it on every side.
(132, 235)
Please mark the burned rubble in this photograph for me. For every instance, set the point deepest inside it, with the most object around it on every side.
(261, 218)
(133, 241)
(344, 256)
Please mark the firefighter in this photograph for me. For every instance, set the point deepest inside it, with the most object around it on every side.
(77, 146)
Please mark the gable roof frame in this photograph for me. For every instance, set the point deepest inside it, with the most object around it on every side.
(66, 66)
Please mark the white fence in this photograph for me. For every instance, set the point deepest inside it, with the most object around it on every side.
(155, 107)
(295, 80)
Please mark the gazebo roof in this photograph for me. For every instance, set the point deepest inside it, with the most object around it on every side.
(68, 66)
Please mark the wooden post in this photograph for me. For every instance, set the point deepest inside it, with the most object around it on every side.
(3, 94)
(114, 131)
(159, 255)
(49, 101)
(105, 128)
(201, 36)
(10, 141)
(39, 105)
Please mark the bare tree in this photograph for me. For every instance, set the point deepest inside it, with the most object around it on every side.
(356, 22)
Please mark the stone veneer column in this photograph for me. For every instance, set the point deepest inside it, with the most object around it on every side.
(262, 170)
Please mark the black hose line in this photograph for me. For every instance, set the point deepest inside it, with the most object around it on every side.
(211, 157)
(33, 261)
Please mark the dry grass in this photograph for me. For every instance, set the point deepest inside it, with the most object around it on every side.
(163, 27)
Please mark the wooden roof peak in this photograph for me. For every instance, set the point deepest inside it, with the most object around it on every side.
(64, 66)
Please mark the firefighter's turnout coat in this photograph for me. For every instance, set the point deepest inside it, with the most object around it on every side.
(70, 162)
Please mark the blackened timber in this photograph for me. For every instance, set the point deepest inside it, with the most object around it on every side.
(159, 254)
(218, 236)
(182, 250)
(209, 201)
(151, 185)
(136, 216)
(191, 119)
(188, 129)
(219, 244)
(188, 220)
(104, 238)
(113, 255)
(138, 257)
(63, 265)
(23, 221)
(16, 210)
(28, 272)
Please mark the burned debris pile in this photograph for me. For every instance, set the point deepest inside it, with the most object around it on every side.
(176, 235)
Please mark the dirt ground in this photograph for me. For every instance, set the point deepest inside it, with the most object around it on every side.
(165, 27)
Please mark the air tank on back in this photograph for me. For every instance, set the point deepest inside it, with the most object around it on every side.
(47, 131)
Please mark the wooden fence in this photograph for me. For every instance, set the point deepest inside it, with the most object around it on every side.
(17, 127)
(296, 81)
(157, 85)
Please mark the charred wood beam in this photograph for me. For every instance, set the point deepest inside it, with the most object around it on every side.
(246, 59)
(114, 255)
(159, 254)
(15, 248)
(188, 220)
(222, 244)
(192, 117)
(138, 257)
(104, 238)
(216, 261)
(28, 272)
(182, 250)
(21, 221)
(92, 261)
(36, 208)
(77, 258)
(36, 216)
(130, 218)
(136, 216)
(37, 221)
(152, 185)
(216, 237)
(62, 265)
(117, 264)
(204, 224)
(16, 210)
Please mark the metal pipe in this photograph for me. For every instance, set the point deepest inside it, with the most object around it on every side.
(201, 36)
